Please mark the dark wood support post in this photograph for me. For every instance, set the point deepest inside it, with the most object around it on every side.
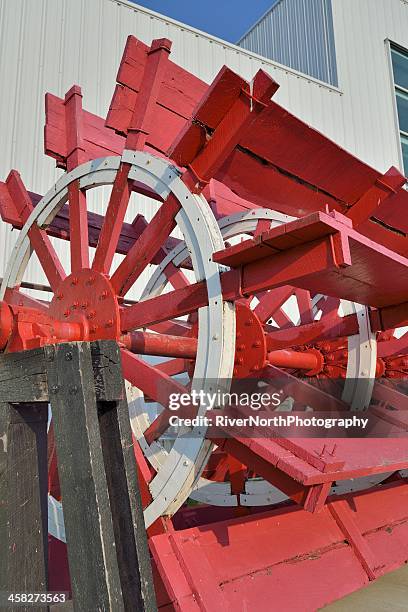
(104, 519)
(107, 546)
(23, 499)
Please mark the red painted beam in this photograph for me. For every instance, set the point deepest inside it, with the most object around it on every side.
(78, 218)
(13, 190)
(326, 329)
(230, 107)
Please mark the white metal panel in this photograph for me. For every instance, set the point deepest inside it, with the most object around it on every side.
(297, 33)
(362, 31)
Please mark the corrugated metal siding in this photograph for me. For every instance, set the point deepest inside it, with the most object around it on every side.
(299, 34)
(48, 45)
(363, 30)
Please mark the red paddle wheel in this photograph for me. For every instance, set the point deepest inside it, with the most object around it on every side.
(266, 252)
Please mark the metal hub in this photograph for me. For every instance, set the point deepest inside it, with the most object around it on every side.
(87, 297)
(250, 352)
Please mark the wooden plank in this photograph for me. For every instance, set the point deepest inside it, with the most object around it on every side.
(98, 141)
(178, 96)
(23, 376)
(23, 499)
(92, 555)
(106, 364)
(125, 500)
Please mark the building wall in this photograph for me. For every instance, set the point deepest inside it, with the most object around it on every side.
(48, 45)
(297, 33)
(363, 30)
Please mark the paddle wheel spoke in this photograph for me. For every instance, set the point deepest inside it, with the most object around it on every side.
(179, 302)
(393, 346)
(78, 227)
(176, 278)
(329, 306)
(156, 385)
(271, 301)
(112, 224)
(78, 213)
(49, 260)
(318, 331)
(172, 366)
(304, 392)
(305, 305)
(146, 247)
(15, 296)
(172, 327)
(281, 318)
(38, 237)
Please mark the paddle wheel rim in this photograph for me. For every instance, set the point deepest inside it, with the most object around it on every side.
(171, 485)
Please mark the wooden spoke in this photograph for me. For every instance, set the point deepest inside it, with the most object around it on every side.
(329, 306)
(324, 329)
(304, 392)
(14, 296)
(47, 256)
(164, 307)
(112, 224)
(175, 276)
(394, 346)
(282, 319)
(78, 228)
(146, 247)
(174, 328)
(146, 377)
(38, 237)
(270, 301)
(154, 383)
(171, 367)
(305, 305)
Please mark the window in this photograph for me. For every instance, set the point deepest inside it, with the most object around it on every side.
(399, 58)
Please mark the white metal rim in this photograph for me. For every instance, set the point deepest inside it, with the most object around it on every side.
(216, 338)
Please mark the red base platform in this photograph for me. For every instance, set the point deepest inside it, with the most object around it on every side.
(285, 559)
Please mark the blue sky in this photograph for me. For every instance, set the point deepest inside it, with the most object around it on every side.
(227, 19)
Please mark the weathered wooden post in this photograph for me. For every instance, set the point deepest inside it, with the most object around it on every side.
(107, 546)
